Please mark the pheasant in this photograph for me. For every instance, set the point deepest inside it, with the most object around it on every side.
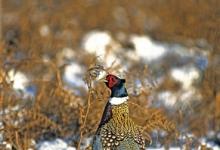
(116, 130)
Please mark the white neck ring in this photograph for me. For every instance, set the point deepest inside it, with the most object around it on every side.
(118, 100)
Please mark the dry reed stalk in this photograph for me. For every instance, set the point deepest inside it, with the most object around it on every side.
(92, 74)
(82, 127)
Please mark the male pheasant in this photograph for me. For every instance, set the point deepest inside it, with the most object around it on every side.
(116, 130)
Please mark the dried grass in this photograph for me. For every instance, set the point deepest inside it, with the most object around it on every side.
(56, 110)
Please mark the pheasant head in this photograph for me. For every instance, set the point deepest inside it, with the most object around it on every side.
(118, 90)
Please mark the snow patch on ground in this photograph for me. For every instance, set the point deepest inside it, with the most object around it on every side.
(9, 110)
(102, 45)
(96, 42)
(185, 75)
(7, 145)
(57, 144)
(163, 148)
(18, 79)
(147, 49)
(208, 144)
(182, 98)
(73, 75)
(20, 83)
(168, 98)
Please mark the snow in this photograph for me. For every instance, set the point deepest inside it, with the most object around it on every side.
(6, 111)
(102, 45)
(163, 148)
(188, 95)
(18, 79)
(185, 75)
(211, 145)
(96, 42)
(68, 53)
(168, 98)
(7, 145)
(44, 30)
(57, 144)
(183, 97)
(73, 71)
(73, 75)
(200, 56)
(147, 49)
(21, 83)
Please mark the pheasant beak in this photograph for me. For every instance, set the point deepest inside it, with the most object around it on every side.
(103, 80)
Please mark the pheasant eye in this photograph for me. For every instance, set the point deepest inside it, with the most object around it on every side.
(112, 79)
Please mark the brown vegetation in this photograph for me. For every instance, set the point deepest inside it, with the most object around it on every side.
(57, 111)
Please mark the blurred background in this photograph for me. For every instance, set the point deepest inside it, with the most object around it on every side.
(167, 50)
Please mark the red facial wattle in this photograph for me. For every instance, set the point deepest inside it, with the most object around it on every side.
(112, 80)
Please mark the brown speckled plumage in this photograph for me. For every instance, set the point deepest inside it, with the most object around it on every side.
(120, 128)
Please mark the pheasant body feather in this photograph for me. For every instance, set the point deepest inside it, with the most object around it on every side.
(120, 131)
